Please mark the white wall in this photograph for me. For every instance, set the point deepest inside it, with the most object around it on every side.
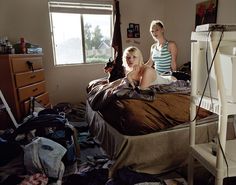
(180, 21)
(30, 19)
(179, 18)
(140, 12)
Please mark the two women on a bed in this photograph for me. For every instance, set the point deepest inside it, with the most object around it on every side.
(163, 56)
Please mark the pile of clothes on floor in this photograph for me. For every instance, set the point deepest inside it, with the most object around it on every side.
(55, 147)
(41, 150)
(39, 162)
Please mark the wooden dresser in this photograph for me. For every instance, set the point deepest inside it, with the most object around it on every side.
(21, 77)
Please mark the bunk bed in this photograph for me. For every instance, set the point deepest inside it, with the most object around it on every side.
(147, 131)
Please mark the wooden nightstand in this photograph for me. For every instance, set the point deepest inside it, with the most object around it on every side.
(22, 76)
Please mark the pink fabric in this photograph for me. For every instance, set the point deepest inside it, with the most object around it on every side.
(36, 179)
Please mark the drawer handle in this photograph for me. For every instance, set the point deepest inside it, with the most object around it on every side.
(35, 89)
(33, 76)
(30, 65)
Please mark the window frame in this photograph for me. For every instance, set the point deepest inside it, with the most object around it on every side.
(80, 7)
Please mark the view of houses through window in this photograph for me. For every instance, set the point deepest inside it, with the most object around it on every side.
(81, 37)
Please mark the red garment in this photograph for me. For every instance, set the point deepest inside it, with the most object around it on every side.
(36, 179)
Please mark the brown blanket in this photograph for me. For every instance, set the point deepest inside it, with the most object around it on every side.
(101, 93)
(135, 117)
(135, 113)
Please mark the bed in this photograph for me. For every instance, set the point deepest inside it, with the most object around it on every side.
(147, 131)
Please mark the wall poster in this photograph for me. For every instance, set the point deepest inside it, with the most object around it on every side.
(206, 12)
(133, 31)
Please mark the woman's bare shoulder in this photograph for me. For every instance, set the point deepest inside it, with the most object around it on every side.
(147, 68)
(172, 45)
(171, 42)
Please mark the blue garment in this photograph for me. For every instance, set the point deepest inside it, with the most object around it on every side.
(161, 58)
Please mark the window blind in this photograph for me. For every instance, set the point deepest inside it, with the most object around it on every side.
(90, 7)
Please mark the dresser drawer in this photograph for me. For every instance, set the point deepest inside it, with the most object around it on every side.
(42, 99)
(31, 90)
(25, 64)
(27, 78)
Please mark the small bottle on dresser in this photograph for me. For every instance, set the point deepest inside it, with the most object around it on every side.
(22, 45)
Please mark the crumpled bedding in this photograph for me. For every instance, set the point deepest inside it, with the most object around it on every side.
(101, 93)
(135, 112)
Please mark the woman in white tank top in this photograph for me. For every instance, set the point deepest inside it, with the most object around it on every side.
(137, 72)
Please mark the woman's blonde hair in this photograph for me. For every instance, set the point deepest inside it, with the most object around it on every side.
(132, 50)
(156, 23)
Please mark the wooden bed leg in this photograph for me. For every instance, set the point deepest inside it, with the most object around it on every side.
(190, 170)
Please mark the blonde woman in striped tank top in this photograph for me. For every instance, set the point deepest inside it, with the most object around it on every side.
(163, 54)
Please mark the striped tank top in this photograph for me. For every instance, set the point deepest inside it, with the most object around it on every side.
(162, 58)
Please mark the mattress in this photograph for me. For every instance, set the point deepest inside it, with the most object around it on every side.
(153, 153)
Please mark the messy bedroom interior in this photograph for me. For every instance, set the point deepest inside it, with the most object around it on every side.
(117, 92)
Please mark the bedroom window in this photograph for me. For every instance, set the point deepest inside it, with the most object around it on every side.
(81, 32)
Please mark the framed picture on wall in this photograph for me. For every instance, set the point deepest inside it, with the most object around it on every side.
(206, 12)
(133, 31)
(130, 33)
(136, 31)
(131, 25)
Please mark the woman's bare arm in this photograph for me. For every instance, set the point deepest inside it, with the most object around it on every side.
(148, 76)
(134, 75)
(174, 51)
(150, 61)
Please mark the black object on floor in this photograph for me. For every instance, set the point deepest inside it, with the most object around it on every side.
(94, 177)
(126, 176)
